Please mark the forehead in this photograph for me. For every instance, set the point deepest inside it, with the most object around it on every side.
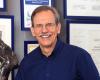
(44, 16)
(49, 12)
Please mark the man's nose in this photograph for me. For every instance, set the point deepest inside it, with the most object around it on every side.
(44, 29)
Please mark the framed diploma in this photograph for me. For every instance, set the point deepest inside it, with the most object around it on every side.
(30, 46)
(2, 5)
(7, 32)
(27, 7)
(85, 9)
(86, 34)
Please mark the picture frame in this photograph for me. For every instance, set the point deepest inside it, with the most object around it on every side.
(27, 7)
(85, 34)
(30, 46)
(2, 5)
(82, 9)
(7, 34)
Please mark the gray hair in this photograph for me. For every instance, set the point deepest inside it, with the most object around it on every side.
(45, 8)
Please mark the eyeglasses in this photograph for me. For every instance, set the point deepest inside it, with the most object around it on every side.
(47, 26)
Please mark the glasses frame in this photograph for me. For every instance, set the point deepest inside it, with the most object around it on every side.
(48, 26)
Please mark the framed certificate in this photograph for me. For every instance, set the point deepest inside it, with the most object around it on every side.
(86, 34)
(85, 9)
(2, 5)
(7, 32)
(27, 7)
(30, 46)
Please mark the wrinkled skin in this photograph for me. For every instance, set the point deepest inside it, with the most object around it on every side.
(8, 60)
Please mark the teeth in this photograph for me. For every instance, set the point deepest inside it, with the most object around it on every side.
(45, 36)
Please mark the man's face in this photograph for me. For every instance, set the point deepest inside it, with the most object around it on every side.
(45, 28)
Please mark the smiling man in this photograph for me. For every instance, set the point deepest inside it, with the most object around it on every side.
(45, 28)
(54, 60)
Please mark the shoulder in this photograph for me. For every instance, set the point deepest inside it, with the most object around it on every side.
(29, 57)
(74, 50)
(71, 49)
(80, 54)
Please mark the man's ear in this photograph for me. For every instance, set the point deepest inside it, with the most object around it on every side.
(32, 31)
(59, 28)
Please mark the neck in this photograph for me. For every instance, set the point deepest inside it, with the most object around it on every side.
(47, 51)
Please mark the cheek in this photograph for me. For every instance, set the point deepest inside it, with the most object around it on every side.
(36, 32)
(54, 34)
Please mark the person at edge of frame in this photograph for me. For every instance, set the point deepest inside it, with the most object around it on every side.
(53, 59)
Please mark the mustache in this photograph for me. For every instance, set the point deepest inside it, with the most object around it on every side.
(45, 34)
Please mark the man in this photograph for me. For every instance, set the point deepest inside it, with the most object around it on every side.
(54, 60)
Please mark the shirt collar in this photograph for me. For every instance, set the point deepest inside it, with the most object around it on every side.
(57, 49)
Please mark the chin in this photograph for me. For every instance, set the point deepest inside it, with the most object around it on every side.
(46, 44)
